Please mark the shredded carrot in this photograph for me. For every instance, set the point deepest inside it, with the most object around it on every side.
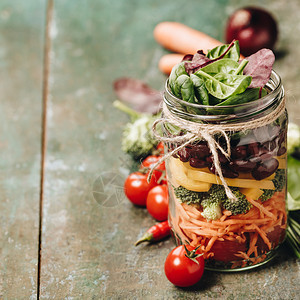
(260, 220)
(261, 208)
(211, 242)
(253, 241)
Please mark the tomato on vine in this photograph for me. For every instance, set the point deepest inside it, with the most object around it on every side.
(160, 147)
(184, 266)
(159, 172)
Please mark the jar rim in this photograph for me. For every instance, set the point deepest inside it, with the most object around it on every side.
(240, 110)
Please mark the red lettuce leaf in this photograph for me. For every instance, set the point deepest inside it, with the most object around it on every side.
(138, 94)
(200, 60)
(259, 66)
(195, 62)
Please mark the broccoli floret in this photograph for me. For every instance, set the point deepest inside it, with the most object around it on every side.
(266, 195)
(213, 201)
(241, 206)
(187, 196)
(217, 193)
(279, 180)
(211, 208)
(279, 183)
(137, 139)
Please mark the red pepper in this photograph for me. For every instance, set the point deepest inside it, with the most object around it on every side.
(156, 233)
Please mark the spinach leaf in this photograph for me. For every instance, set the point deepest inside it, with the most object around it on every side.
(224, 85)
(228, 50)
(177, 70)
(247, 96)
(293, 183)
(184, 88)
(200, 90)
(224, 65)
(242, 65)
(213, 101)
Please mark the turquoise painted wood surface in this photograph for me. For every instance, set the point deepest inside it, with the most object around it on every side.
(21, 65)
(87, 247)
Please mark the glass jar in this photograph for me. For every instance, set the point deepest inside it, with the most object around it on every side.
(233, 235)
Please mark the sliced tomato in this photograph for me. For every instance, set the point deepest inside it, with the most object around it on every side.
(225, 250)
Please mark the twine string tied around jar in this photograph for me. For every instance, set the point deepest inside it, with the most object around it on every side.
(202, 131)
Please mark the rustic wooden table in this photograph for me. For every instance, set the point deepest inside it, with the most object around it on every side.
(60, 136)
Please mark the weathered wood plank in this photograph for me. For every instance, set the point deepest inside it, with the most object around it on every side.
(21, 64)
(87, 247)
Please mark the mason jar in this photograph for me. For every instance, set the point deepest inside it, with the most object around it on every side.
(232, 234)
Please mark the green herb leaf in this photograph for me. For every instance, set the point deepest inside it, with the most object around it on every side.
(225, 85)
(233, 53)
(200, 90)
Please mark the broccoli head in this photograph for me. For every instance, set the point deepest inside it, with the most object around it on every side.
(216, 193)
(267, 194)
(241, 206)
(137, 140)
(279, 183)
(213, 201)
(279, 180)
(211, 208)
(187, 196)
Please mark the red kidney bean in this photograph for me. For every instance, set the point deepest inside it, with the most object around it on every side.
(239, 152)
(240, 165)
(200, 151)
(266, 156)
(226, 171)
(265, 169)
(269, 145)
(209, 159)
(253, 149)
(221, 156)
(255, 159)
(281, 137)
(184, 154)
(198, 163)
(281, 151)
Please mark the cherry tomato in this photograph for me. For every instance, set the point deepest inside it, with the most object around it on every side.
(158, 202)
(182, 270)
(136, 188)
(149, 161)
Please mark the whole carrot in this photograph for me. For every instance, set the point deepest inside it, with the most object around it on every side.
(155, 233)
(168, 61)
(183, 39)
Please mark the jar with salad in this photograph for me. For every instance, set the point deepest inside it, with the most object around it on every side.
(224, 127)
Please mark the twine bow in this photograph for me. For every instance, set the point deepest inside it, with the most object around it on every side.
(199, 131)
